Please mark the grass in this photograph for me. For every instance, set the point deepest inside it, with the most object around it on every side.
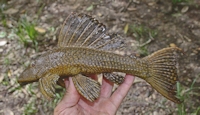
(32, 105)
(6, 80)
(142, 31)
(185, 94)
(4, 22)
(179, 1)
(90, 8)
(27, 33)
(3, 16)
(143, 51)
(53, 103)
(30, 108)
(142, 34)
(26, 30)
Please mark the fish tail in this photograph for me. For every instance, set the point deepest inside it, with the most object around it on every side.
(162, 72)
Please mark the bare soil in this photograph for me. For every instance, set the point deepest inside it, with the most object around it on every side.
(175, 25)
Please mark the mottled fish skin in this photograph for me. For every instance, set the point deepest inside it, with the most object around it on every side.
(84, 48)
(75, 60)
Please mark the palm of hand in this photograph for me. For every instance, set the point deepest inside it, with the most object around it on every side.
(106, 104)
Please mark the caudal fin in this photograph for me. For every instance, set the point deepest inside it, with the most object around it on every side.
(163, 72)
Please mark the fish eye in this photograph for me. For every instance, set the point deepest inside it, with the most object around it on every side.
(32, 64)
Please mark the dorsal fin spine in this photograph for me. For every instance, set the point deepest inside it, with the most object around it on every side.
(83, 30)
(73, 34)
(61, 38)
(101, 36)
(96, 40)
(86, 28)
(89, 36)
(75, 30)
(105, 43)
(71, 22)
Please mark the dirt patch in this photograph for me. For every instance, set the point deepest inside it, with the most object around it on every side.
(167, 23)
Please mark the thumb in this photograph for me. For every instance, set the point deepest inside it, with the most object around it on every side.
(71, 95)
(70, 98)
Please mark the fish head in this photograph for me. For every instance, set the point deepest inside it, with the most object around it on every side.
(30, 74)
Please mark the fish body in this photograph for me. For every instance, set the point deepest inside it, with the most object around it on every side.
(84, 48)
(74, 60)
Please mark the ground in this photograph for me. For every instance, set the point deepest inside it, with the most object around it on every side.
(29, 28)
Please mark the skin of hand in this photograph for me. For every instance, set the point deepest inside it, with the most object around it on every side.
(107, 104)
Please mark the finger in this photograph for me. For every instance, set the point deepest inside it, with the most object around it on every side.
(71, 92)
(66, 81)
(118, 96)
(93, 76)
(106, 88)
(71, 96)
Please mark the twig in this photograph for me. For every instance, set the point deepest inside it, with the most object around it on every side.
(147, 42)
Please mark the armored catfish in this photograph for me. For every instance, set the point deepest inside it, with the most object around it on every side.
(84, 48)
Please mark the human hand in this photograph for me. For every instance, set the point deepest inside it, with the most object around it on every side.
(107, 103)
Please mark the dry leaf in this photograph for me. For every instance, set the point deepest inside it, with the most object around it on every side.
(40, 30)
(172, 45)
(11, 11)
(126, 28)
(184, 9)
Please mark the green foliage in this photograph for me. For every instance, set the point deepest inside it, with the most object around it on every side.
(6, 80)
(2, 15)
(30, 108)
(40, 9)
(90, 8)
(185, 94)
(7, 61)
(4, 22)
(27, 33)
(144, 51)
(142, 34)
(181, 107)
(142, 31)
(58, 96)
(179, 1)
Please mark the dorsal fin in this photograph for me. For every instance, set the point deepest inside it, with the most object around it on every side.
(84, 31)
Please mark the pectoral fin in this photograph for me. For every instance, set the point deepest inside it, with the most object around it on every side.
(47, 85)
(87, 87)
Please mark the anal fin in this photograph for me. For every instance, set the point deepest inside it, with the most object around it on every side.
(87, 87)
(114, 77)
